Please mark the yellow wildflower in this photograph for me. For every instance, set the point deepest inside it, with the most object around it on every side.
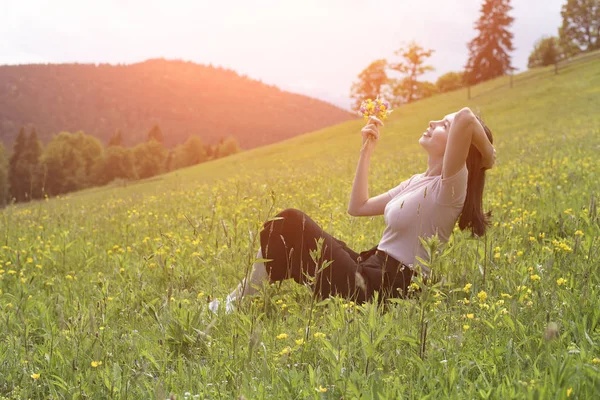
(470, 316)
(321, 389)
(466, 327)
(482, 296)
(282, 336)
(299, 342)
(96, 364)
(285, 351)
(561, 281)
(319, 335)
(35, 376)
(569, 391)
(534, 277)
(467, 288)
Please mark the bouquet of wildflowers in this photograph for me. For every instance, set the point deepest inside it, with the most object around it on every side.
(377, 108)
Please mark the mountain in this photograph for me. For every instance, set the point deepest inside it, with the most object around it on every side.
(182, 97)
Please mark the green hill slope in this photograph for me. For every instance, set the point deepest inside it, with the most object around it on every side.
(103, 293)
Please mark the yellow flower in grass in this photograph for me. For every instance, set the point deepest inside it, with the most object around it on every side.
(319, 335)
(285, 351)
(561, 281)
(321, 389)
(596, 360)
(282, 336)
(299, 342)
(534, 277)
(35, 376)
(482, 295)
(467, 288)
(466, 327)
(470, 316)
(569, 392)
(96, 364)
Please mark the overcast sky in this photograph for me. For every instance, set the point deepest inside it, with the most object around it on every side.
(315, 47)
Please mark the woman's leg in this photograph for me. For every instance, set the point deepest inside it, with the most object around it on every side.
(249, 286)
(288, 240)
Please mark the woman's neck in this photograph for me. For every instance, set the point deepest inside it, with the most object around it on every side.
(434, 166)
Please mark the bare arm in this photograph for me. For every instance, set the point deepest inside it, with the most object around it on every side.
(464, 131)
(360, 203)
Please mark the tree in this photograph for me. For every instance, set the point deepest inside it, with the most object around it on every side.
(369, 83)
(409, 89)
(4, 193)
(116, 139)
(70, 162)
(192, 152)
(580, 30)
(33, 183)
(227, 147)
(156, 134)
(546, 51)
(117, 163)
(449, 81)
(149, 159)
(16, 172)
(489, 50)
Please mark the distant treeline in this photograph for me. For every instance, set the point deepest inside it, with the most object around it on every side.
(184, 98)
(74, 161)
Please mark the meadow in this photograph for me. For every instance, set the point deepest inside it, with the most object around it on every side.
(104, 292)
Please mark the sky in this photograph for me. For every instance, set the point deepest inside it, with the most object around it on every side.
(313, 47)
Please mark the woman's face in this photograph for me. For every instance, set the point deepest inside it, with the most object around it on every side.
(435, 137)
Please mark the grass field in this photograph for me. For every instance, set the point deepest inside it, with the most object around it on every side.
(103, 293)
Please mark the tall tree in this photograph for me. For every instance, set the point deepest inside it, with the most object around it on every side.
(580, 30)
(156, 134)
(370, 82)
(16, 172)
(3, 176)
(412, 66)
(489, 51)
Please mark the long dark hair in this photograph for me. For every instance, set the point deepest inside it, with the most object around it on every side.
(472, 215)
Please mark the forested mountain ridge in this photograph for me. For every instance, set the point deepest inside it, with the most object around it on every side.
(183, 98)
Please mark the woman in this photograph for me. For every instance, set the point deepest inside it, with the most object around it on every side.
(459, 149)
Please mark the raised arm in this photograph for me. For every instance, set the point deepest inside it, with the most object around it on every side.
(464, 131)
(360, 204)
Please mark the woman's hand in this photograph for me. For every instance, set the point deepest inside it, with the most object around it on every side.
(370, 132)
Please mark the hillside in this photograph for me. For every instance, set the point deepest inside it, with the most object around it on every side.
(182, 97)
(104, 292)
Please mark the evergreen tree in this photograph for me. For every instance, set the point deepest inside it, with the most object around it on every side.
(489, 51)
(370, 82)
(116, 139)
(3, 176)
(16, 173)
(156, 134)
(409, 88)
(580, 29)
